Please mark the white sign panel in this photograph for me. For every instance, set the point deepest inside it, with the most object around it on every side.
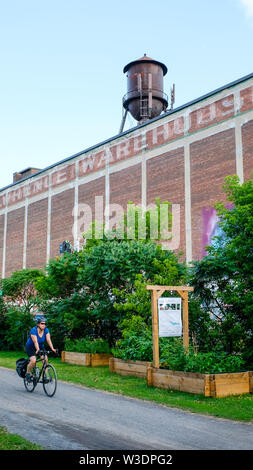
(169, 311)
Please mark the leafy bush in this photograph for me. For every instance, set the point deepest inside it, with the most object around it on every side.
(136, 341)
(214, 362)
(85, 345)
(134, 348)
(136, 344)
(18, 323)
(67, 318)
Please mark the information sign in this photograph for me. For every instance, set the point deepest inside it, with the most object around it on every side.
(169, 311)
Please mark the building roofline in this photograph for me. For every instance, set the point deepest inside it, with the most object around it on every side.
(186, 105)
(27, 169)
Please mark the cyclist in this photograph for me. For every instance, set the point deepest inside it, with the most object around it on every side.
(37, 337)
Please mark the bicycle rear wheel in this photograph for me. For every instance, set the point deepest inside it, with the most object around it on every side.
(49, 380)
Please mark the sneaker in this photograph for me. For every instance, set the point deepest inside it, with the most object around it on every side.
(28, 377)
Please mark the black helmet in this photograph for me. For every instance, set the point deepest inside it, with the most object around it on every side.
(40, 318)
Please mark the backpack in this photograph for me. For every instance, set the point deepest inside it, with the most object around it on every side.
(21, 365)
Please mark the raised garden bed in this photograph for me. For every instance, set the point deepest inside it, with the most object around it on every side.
(176, 380)
(85, 359)
(209, 385)
(134, 368)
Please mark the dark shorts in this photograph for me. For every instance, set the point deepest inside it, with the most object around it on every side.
(30, 351)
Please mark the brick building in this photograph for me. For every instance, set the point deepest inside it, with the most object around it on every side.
(182, 156)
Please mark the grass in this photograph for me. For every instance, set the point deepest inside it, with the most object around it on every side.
(10, 441)
(232, 407)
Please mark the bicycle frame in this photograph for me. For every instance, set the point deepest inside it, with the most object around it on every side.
(45, 353)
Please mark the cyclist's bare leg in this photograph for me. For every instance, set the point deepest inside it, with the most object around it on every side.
(31, 364)
(44, 360)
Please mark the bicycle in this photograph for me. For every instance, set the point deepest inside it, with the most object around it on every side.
(46, 375)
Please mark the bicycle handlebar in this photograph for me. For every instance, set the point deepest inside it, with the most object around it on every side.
(41, 352)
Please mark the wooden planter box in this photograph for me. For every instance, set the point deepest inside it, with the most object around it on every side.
(231, 384)
(134, 368)
(176, 380)
(85, 359)
(210, 385)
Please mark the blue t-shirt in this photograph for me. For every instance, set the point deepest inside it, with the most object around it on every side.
(41, 340)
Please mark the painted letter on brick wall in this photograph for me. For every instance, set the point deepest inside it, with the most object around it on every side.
(162, 134)
(63, 176)
(92, 163)
(246, 97)
(17, 195)
(211, 113)
(3, 201)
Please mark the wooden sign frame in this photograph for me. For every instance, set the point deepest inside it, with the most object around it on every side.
(156, 292)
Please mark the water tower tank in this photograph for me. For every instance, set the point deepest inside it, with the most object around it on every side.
(145, 98)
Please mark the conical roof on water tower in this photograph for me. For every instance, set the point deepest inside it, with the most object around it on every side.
(145, 58)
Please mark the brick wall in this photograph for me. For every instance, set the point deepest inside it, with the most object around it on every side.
(182, 157)
(36, 251)
(247, 144)
(91, 194)
(61, 220)
(15, 241)
(165, 177)
(125, 187)
(212, 159)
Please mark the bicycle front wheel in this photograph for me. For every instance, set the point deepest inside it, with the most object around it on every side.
(30, 384)
(49, 380)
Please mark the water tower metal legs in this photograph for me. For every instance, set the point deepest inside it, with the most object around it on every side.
(123, 121)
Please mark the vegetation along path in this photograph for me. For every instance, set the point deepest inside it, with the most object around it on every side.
(82, 418)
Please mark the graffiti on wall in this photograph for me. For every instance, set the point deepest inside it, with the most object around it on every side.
(210, 227)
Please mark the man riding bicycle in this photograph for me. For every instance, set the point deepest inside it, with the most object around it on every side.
(38, 335)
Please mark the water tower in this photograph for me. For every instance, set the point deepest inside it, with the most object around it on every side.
(145, 98)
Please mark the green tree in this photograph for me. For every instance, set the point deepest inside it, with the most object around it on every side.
(116, 273)
(16, 305)
(60, 280)
(223, 280)
(20, 289)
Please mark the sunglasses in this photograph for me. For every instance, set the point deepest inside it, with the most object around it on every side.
(42, 323)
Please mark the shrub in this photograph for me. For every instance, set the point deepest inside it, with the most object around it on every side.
(136, 341)
(134, 348)
(86, 345)
(18, 323)
(136, 344)
(214, 362)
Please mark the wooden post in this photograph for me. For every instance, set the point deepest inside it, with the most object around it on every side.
(250, 381)
(156, 292)
(149, 376)
(185, 321)
(155, 329)
(184, 296)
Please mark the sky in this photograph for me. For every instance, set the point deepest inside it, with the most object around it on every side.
(62, 81)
